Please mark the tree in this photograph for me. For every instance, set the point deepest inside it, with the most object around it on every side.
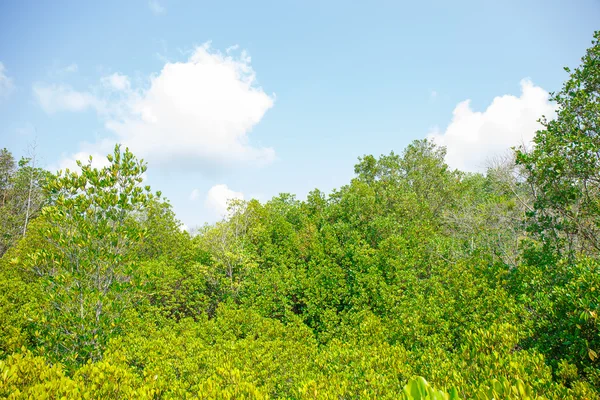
(31, 201)
(230, 259)
(7, 217)
(564, 165)
(7, 170)
(558, 281)
(21, 196)
(86, 267)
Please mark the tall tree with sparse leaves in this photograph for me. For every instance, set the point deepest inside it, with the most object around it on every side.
(91, 233)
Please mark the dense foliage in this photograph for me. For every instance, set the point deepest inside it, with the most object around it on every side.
(413, 281)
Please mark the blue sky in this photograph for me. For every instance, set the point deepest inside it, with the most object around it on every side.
(252, 99)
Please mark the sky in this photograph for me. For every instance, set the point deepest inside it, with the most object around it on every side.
(227, 99)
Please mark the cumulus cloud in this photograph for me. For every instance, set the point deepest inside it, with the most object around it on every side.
(195, 114)
(218, 197)
(473, 138)
(200, 111)
(6, 83)
(156, 7)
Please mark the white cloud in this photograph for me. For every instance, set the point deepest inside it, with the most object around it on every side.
(71, 68)
(195, 114)
(195, 195)
(156, 7)
(61, 71)
(116, 81)
(70, 163)
(6, 83)
(473, 138)
(218, 197)
(433, 95)
(55, 98)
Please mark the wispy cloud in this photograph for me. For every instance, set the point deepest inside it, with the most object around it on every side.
(195, 195)
(71, 68)
(156, 7)
(6, 83)
(117, 82)
(57, 97)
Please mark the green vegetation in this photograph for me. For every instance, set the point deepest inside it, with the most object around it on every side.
(413, 281)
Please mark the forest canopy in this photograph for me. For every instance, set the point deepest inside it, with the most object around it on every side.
(412, 281)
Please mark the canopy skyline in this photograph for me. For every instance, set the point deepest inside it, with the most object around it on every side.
(237, 102)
